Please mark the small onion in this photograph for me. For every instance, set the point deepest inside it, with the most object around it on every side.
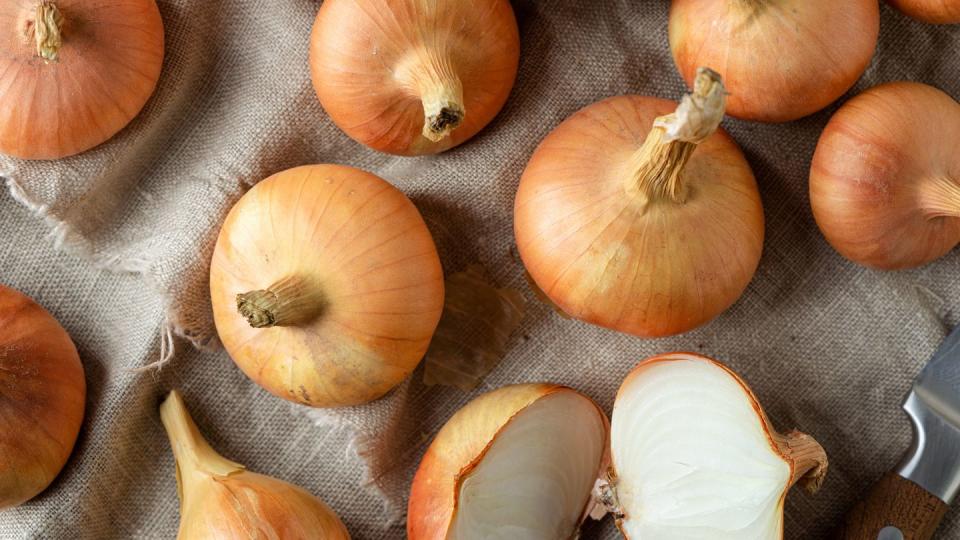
(74, 72)
(410, 77)
(780, 59)
(639, 220)
(930, 11)
(42, 393)
(221, 500)
(694, 455)
(885, 178)
(518, 462)
(326, 285)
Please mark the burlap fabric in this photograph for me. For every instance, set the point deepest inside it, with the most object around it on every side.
(828, 346)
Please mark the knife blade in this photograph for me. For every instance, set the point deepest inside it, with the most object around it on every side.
(910, 502)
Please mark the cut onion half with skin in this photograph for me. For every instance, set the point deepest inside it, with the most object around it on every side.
(694, 456)
(518, 463)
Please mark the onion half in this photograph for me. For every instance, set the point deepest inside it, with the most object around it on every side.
(885, 178)
(641, 216)
(518, 462)
(780, 59)
(694, 456)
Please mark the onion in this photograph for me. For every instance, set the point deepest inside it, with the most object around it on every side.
(694, 455)
(885, 178)
(782, 59)
(42, 393)
(221, 500)
(410, 77)
(931, 11)
(326, 285)
(646, 225)
(74, 72)
(518, 462)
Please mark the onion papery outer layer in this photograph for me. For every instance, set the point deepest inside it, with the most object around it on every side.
(221, 500)
(885, 178)
(780, 60)
(694, 455)
(344, 264)
(633, 255)
(42, 394)
(466, 440)
(930, 11)
(77, 78)
(411, 77)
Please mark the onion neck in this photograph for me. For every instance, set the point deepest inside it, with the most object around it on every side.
(431, 77)
(656, 169)
(940, 197)
(808, 460)
(46, 31)
(195, 459)
(291, 301)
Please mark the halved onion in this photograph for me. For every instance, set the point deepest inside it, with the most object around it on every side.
(518, 462)
(694, 455)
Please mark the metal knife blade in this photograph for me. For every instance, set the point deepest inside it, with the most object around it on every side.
(933, 405)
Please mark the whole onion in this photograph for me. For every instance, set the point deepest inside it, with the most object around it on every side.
(780, 59)
(885, 178)
(42, 393)
(931, 11)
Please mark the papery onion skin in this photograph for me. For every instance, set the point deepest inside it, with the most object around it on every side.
(97, 81)
(457, 449)
(375, 62)
(221, 500)
(930, 11)
(42, 394)
(780, 60)
(605, 256)
(362, 251)
(885, 178)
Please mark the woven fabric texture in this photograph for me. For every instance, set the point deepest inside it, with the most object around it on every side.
(828, 346)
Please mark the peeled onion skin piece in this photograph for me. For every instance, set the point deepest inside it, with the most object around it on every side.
(326, 285)
(413, 77)
(74, 81)
(780, 59)
(623, 229)
(885, 178)
(718, 462)
(42, 395)
(221, 500)
(463, 443)
(930, 11)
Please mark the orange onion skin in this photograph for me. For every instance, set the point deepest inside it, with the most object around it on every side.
(885, 178)
(363, 243)
(366, 57)
(459, 447)
(779, 60)
(107, 69)
(42, 393)
(603, 257)
(930, 11)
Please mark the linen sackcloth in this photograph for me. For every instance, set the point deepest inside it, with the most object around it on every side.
(828, 346)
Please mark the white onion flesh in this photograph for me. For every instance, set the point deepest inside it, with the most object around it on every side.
(534, 481)
(693, 458)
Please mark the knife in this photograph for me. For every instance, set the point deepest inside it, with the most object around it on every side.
(909, 503)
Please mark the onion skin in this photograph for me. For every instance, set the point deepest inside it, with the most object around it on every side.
(221, 500)
(372, 276)
(459, 446)
(42, 394)
(780, 60)
(930, 11)
(375, 64)
(89, 88)
(614, 259)
(885, 178)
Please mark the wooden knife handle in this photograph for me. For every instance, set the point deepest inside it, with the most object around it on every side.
(894, 502)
